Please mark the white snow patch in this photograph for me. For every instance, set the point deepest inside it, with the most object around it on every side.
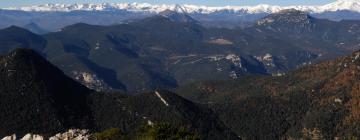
(162, 99)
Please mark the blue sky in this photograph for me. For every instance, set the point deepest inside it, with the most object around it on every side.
(12, 3)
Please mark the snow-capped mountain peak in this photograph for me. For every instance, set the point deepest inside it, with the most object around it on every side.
(351, 5)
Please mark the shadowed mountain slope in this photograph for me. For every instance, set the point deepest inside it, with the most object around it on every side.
(36, 97)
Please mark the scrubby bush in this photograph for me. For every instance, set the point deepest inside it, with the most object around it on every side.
(164, 131)
(161, 131)
(110, 134)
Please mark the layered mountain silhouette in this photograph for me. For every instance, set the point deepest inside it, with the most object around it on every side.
(174, 50)
(15, 37)
(33, 27)
(36, 97)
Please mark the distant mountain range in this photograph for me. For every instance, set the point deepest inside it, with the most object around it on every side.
(53, 17)
(350, 5)
(173, 49)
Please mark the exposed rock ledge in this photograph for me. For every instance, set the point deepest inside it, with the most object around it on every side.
(72, 134)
